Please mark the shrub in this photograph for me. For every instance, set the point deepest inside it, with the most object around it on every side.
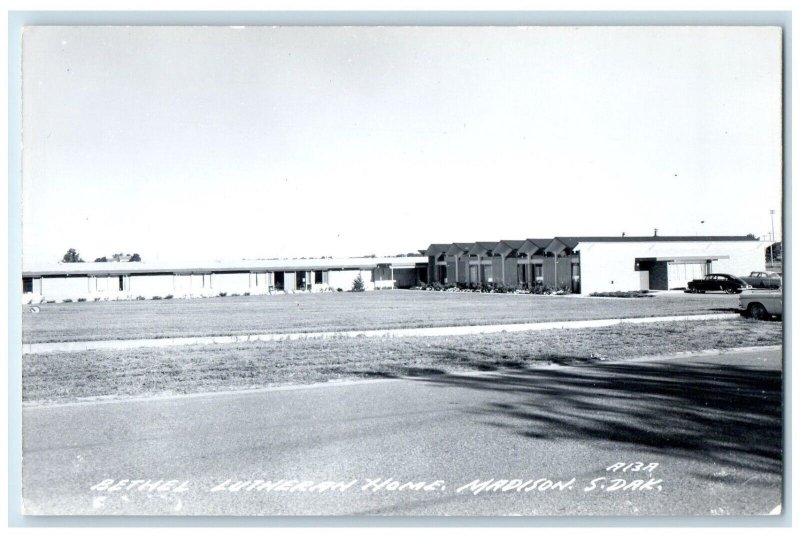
(140, 298)
(540, 289)
(247, 294)
(481, 287)
(156, 297)
(339, 289)
(81, 299)
(634, 294)
(170, 296)
(503, 288)
(223, 294)
(358, 283)
(67, 301)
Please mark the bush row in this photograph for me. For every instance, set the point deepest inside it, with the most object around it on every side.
(538, 289)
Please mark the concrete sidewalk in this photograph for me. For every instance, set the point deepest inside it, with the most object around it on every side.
(52, 347)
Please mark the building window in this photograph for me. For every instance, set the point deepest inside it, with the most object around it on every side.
(27, 285)
(279, 280)
(537, 273)
(317, 277)
(487, 273)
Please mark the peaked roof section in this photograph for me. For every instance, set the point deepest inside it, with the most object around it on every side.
(559, 244)
(436, 249)
(508, 246)
(482, 248)
(534, 246)
(459, 249)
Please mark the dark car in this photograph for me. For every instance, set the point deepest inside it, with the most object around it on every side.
(717, 282)
(763, 279)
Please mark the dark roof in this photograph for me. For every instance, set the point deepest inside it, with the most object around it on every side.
(538, 243)
(508, 247)
(459, 247)
(541, 243)
(437, 248)
(513, 243)
(483, 245)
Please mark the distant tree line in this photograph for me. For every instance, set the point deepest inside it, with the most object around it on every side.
(73, 256)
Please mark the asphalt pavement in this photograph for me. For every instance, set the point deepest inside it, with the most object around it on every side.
(551, 441)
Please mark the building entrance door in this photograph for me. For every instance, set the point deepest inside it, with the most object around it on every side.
(680, 274)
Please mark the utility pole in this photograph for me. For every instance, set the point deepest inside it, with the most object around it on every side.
(772, 246)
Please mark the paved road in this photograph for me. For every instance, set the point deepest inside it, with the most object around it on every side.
(712, 424)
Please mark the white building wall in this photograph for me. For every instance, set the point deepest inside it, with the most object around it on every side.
(192, 285)
(148, 286)
(70, 287)
(289, 282)
(230, 283)
(611, 266)
(344, 279)
(259, 282)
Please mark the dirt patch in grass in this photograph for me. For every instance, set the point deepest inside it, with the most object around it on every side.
(62, 377)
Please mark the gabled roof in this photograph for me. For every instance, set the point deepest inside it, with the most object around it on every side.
(482, 248)
(508, 246)
(534, 246)
(459, 249)
(436, 249)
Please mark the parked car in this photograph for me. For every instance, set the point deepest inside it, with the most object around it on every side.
(717, 282)
(763, 279)
(761, 304)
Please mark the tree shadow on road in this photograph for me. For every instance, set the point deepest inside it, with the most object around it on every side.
(725, 414)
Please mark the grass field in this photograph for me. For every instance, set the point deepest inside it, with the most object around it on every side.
(336, 311)
(66, 377)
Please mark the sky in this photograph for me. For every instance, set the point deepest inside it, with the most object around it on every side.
(221, 143)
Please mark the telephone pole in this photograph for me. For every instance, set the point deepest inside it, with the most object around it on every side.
(772, 246)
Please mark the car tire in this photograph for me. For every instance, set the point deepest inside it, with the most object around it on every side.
(757, 311)
(731, 290)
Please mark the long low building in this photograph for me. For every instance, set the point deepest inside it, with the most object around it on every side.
(132, 280)
(594, 264)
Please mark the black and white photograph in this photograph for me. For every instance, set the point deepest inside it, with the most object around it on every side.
(404, 271)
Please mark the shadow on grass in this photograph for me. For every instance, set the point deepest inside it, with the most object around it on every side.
(727, 415)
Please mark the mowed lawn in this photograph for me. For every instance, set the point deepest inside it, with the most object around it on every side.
(65, 377)
(219, 316)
